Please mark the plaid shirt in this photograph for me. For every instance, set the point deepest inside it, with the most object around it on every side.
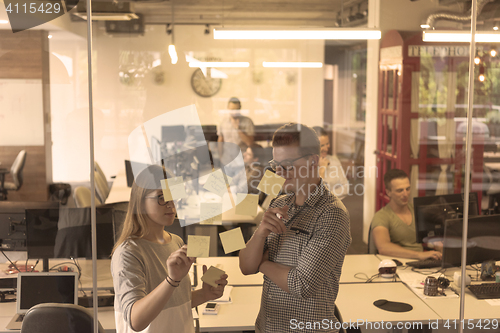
(315, 243)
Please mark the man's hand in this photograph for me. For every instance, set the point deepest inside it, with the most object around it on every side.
(430, 255)
(210, 292)
(265, 257)
(272, 223)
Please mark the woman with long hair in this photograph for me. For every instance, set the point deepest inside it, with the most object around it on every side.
(150, 265)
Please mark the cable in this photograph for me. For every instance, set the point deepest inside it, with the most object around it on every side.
(10, 261)
(366, 278)
(36, 263)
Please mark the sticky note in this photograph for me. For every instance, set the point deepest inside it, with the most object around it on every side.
(271, 183)
(198, 246)
(216, 183)
(247, 204)
(232, 240)
(173, 188)
(211, 213)
(211, 275)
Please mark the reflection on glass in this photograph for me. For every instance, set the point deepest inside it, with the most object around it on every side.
(389, 133)
(390, 90)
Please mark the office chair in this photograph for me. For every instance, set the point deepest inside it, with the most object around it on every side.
(16, 172)
(372, 249)
(59, 317)
(82, 195)
(101, 186)
(100, 172)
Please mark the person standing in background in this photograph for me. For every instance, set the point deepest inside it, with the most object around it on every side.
(330, 168)
(236, 129)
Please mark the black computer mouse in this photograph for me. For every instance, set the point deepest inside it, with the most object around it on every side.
(397, 262)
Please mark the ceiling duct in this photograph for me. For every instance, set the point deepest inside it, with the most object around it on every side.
(106, 11)
(454, 16)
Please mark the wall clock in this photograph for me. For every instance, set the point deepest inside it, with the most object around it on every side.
(205, 86)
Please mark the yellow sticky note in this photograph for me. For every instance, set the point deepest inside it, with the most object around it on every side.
(211, 213)
(198, 246)
(232, 240)
(173, 188)
(271, 183)
(216, 183)
(211, 275)
(166, 191)
(247, 204)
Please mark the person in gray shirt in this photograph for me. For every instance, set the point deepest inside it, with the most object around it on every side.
(150, 265)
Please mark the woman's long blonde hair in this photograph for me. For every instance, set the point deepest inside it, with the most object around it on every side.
(135, 224)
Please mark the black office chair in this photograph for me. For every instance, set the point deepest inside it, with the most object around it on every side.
(16, 172)
(58, 317)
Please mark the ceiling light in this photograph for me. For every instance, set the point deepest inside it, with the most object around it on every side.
(425, 26)
(481, 78)
(495, 28)
(337, 33)
(311, 64)
(4, 21)
(219, 64)
(49, 36)
(109, 16)
(493, 53)
(477, 60)
(459, 36)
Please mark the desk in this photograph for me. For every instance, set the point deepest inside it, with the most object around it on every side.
(106, 316)
(240, 315)
(232, 268)
(119, 192)
(355, 302)
(360, 263)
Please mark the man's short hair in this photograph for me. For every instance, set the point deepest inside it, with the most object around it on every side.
(320, 130)
(299, 135)
(393, 174)
(235, 100)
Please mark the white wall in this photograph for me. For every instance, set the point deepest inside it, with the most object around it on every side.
(269, 95)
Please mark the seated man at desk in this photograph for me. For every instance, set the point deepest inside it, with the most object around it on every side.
(393, 227)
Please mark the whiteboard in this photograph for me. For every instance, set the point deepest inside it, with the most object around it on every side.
(21, 112)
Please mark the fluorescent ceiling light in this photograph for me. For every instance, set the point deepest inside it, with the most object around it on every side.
(425, 26)
(460, 36)
(4, 21)
(292, 64)
(173, 54)
(338, 33)
(219, 64)
(109, 16)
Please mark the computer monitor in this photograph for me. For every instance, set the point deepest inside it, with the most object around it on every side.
(432, 211)
(66, 233)
(12, 222)
(483, 240)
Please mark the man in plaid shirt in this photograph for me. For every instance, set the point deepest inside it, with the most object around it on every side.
(301, 242)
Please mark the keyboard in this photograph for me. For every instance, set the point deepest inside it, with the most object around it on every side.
(485, 290)
(426, 263)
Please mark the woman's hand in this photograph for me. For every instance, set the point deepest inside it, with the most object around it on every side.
(178, 264)
(210, 292)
